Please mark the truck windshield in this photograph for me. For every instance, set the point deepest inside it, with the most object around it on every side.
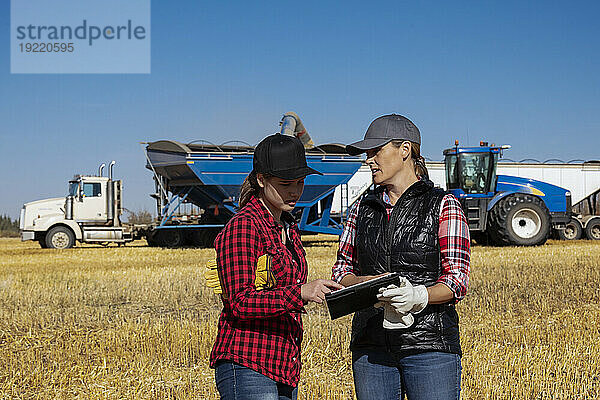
(73, 188)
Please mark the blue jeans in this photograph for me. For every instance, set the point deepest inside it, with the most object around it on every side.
(236, 382)
(382, 375)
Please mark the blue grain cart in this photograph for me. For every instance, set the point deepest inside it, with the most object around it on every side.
(197, 189)
(505, 210)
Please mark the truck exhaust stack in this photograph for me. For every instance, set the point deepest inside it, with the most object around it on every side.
(101, 168)
(110, 169)
(110, 195)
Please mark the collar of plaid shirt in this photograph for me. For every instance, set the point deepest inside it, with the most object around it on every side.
(287, 218)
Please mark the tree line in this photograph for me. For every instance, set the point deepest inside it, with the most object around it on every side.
(8, 226)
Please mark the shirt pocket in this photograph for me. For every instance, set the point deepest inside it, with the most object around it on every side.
(281, 264)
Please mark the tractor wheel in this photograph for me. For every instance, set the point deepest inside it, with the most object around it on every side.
(592, 229)
(573, 231)
(520, 220)
(481, 238)
(170, 238)
(60, 237)
(204, 237)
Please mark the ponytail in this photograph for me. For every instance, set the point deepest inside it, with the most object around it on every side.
(417, 158)
(249, 188)
(420, 168)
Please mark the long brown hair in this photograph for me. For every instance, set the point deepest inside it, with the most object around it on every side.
(249, 188)
(417, 158)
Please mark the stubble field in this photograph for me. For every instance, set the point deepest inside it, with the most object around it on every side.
(138, 323)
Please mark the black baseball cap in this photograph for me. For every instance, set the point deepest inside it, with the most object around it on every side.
(282, 156)
(383, 130)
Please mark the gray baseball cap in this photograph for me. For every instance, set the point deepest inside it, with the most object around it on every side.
(383, 130)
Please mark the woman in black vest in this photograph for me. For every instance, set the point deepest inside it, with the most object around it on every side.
(408, 344)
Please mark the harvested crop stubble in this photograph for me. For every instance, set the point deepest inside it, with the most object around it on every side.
(138, 323)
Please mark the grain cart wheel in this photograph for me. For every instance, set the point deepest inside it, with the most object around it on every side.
(573, 231)
(520, 220)
(592, 229)
(204, 237)
(60, 237)
(170, 238)
(151, 238)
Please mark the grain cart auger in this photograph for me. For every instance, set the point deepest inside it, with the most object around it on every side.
(198, 186)
(505, 210)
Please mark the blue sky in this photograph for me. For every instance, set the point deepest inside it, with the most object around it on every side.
(519, 73)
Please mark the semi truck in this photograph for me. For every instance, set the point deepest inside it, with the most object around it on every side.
(90, 213)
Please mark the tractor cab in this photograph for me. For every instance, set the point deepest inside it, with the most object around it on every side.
(471, 178)
(471, 171)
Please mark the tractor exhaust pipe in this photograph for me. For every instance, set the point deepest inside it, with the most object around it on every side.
(291, 125)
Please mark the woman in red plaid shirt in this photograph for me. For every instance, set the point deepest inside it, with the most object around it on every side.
(408, 344)
(263, 270)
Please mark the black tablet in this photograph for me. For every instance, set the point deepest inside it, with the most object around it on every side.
(358, 297)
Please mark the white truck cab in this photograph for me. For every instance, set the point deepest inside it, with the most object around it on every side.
(90, 193)
(90, 213)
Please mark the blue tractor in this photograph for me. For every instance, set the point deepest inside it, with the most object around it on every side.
(503, 210)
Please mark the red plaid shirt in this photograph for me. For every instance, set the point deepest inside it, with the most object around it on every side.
(454, 240)
(260, 329)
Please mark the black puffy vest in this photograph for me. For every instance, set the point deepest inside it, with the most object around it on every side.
(407, 244)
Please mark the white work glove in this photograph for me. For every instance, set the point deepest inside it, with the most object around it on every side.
(406, 298)
(393, 319)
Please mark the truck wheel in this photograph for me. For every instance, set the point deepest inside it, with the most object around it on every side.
(592, 229)
(60, 237)
(520, 220)
(573, 231)
(170, 238)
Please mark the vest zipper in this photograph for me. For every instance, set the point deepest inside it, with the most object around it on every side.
(389, 230)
